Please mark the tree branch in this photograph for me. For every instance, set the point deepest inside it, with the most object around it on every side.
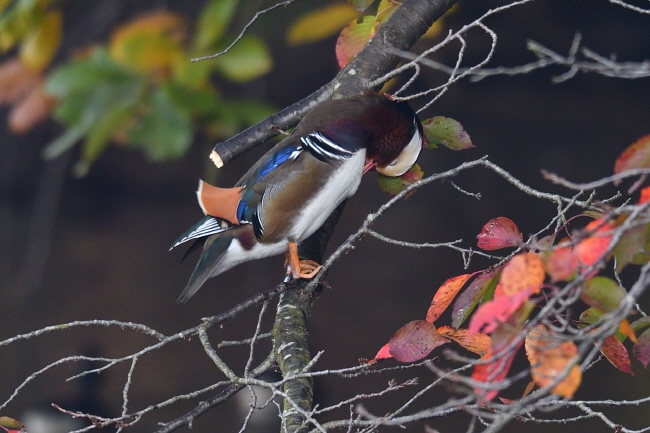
(409, 22)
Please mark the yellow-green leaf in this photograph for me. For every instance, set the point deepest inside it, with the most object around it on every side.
(213, 22)
(602, 293)
(320, 24)
(395, 185)
(385, 9)
(446, 131)
(149, 44)
(40, 45)
(353, 38)
(16, 22)
(247, 60)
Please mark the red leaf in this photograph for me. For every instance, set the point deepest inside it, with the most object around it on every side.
(499, 233)
(414, 341)
(383, 353)
(617, 354)
(562, 264)
(353, 38)
(635, 156)
(492, 313)
(445, 295)
(642, 348)
(494, 370)
(591, 249)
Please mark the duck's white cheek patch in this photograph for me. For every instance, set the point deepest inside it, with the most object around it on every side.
(406, 159)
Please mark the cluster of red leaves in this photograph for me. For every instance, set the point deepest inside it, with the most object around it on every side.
(502, 300)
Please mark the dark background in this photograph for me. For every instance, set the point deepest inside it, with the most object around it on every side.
(96, 248)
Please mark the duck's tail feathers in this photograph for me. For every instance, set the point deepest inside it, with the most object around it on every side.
(207, 266)
(207, 226)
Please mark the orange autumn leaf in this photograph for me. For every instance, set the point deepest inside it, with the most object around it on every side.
(645, 195)
(477, 343)
(150, 43)
(626, 329)
(444, 295)
(562, 264)
(635, 156)
(524, 272)
(592, 248)
(16, 81)
(34, 109)
(549, 358)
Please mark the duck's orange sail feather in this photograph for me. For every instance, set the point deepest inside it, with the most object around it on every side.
(219, 202)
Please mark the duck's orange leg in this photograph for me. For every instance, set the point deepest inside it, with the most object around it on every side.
(300, 268)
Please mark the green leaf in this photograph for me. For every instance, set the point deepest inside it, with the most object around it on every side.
(16, 22)
(602, 293)
(320, 24)
(213, 23)
(86, 110)
(361, 5)
(165, 131)
(631, 248)
(467, 301)
(11, 423)
(101, 132)
(592, 315)
(85, 74)
(198, 102)
(64, 142)
(446, 131)
(95, 93)
(641, 323)
(395, 185)
(247, 60)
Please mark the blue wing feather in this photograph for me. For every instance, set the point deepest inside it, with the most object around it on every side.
(274, 160)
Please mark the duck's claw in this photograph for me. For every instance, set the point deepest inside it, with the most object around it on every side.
(297, 268)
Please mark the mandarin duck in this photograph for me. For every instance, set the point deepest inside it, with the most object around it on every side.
(290, 192)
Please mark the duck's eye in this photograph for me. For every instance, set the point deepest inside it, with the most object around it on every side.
(393, 164)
